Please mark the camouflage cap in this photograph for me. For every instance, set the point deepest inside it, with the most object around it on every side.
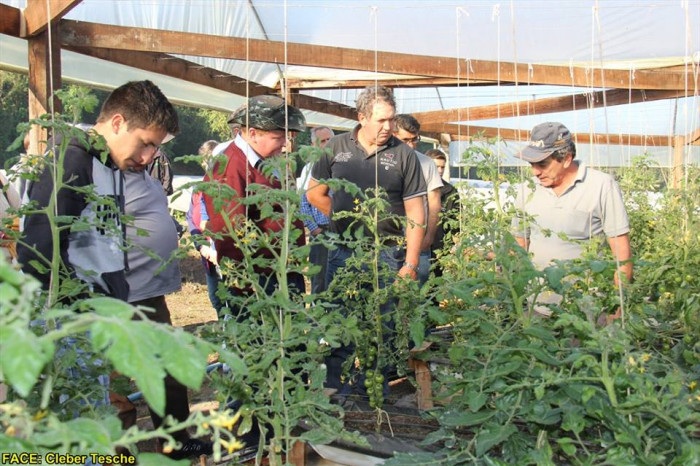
(267, 112)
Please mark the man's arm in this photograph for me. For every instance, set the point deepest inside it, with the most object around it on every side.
(317, 194)
(434, 207)
(622, 252)
(69, 204)
(306, 211)
(415, 216)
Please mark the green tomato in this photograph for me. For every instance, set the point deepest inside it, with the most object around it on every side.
(379, 378)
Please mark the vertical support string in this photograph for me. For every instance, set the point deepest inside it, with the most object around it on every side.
(461, 11)
(458, 63)
(51, 143)
(515, 69)
(688, 120)
(596, 22)
(496, 14)
(590, 76)
(602, 81)
(375, 213)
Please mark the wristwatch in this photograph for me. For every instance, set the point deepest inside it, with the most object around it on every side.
(410, 266)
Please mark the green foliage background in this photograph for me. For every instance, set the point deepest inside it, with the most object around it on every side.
(13, 110)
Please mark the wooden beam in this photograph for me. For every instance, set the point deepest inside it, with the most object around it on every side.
(38, 17)
(169, 65)
(538, 107)
(693, 138)
(323, 106)
(84, 34)
(44, 79)
(466, 132)
(392, 83)
(193, 72)
(175, 67)
(10, 20)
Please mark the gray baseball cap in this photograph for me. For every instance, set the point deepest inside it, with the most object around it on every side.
(545, 139)
(267, 112)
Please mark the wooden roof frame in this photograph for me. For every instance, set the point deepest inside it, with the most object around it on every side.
(150, 49)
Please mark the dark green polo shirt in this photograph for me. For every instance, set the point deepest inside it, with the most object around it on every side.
(394, 167)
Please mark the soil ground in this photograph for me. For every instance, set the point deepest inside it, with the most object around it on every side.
(190, 305)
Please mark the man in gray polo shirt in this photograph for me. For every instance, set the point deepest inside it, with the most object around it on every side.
(370, 156)
(569, 205)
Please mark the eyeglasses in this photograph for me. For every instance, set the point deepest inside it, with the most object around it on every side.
(413, 140)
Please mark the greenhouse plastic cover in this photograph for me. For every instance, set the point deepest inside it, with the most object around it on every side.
(620, 34)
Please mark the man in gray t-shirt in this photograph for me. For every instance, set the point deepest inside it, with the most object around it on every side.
(151, 275)
(569, 205)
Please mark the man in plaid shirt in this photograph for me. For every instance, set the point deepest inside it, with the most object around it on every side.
(314, 220)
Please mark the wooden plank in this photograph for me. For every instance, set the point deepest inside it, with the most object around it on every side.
(693, 137)
(38, 17)
(463, 132)
(9, 20)
(175, 67)
(44, 78)
(421, 370)
(550, 105)
(466, 132)
(84, 34)
(388, 82)
(193, 72)
(327, 107)
(297, 456)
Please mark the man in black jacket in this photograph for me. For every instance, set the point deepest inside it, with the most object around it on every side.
(135, 119)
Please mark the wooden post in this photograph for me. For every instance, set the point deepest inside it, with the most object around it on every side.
(44, 78)
(677, 165)
(421, 370)
(297, 456)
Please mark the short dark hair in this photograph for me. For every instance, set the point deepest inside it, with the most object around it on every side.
(143, 106)
(234, 126)
(436, 154)
(407, 122)
(371, 94)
